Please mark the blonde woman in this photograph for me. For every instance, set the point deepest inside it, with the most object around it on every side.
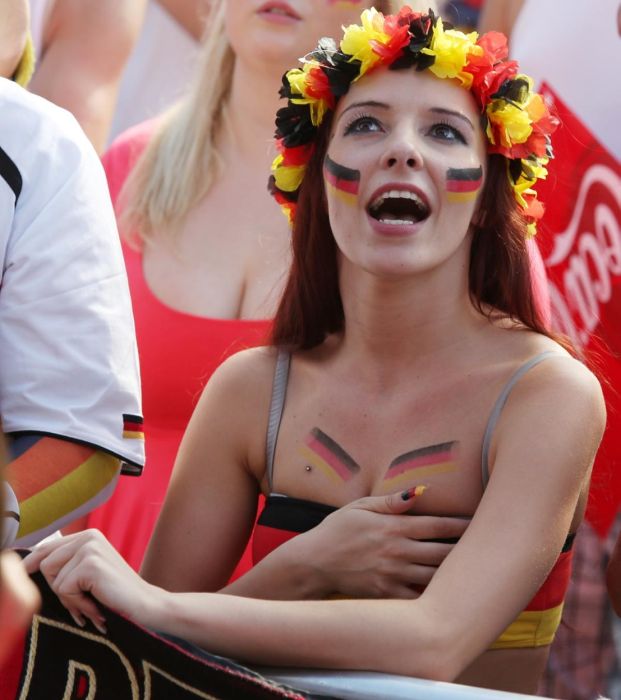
(205, 247)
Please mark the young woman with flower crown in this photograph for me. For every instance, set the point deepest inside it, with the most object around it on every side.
(205, 248)
(407, 352)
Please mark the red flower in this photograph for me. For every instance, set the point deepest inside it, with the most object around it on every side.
(534, 209)
(495, 46)
(318, 86)
(397, 29)
(296, 155)
(490, 70)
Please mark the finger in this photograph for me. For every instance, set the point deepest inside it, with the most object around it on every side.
(417, 574)
(392, 503)
(402, 591)
(32, 561)
(425, 553)
(71, 586)
(52, 563)
(432, 527)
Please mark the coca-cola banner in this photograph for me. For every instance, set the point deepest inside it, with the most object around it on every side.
(580, 240)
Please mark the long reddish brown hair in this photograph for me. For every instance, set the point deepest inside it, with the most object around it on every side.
(499, 274)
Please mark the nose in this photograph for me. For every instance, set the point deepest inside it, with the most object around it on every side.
(402, 151)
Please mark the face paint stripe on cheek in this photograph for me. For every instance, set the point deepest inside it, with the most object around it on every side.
(340, 177)
(463, 184)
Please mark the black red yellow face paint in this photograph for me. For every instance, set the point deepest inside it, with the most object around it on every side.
(343, 182)
(423, 462)
(463, 184)
(321, 451)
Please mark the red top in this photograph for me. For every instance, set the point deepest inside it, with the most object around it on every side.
(178, 353)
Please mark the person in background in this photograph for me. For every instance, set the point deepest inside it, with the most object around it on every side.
(407, 351)
(82, 47)
(206, 250)
(162, 63)
(584, 205)
(464, 14)
(69, 384)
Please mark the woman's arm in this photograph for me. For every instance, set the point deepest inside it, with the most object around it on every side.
(370, 548)
(499, 15)
(211, 501)
(541, 459)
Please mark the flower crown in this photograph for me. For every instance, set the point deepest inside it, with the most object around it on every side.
(516, 120)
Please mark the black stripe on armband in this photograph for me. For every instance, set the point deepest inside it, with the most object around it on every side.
(10, 174)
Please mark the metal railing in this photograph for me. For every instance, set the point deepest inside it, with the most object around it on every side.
(357, 685)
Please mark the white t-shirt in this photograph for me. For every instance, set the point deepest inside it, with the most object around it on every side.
(68, 358)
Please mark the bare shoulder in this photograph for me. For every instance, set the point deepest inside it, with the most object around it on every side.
(562, 392)
(243, 380)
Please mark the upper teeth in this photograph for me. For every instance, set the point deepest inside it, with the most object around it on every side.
(397, 194)
(277, 11)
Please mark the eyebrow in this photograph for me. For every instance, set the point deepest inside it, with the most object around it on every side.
(452, 113)
(383, 105)
(367, 103)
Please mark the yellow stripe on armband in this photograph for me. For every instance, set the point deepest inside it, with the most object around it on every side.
(68, 493)
(26, 65)
(531, 628)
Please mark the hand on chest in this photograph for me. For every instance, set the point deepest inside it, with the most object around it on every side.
(338, 455)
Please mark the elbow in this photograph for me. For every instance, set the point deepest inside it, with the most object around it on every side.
(444, 656)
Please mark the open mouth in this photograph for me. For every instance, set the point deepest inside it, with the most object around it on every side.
(399, 208)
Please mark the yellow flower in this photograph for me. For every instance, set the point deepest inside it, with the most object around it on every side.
(536, 107)
(513, 124)
(357, 39)
(288, 178)
(298, 81)
(451, 49)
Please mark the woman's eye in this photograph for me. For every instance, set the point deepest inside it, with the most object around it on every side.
(363, 125)
(447, 132)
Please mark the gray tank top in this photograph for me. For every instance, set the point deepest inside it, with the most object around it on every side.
(279, 393)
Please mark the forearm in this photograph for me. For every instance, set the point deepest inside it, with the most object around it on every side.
(287, 573)
(55, 481)
(391, 636)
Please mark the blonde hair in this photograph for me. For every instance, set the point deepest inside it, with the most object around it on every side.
(181, 161)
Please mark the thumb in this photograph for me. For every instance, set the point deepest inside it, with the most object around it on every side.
(393, 503)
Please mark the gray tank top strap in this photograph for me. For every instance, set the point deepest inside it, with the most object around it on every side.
(277, 404)
(499, 405)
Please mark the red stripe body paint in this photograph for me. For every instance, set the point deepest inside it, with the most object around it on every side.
(426, 461)
(323, 452)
